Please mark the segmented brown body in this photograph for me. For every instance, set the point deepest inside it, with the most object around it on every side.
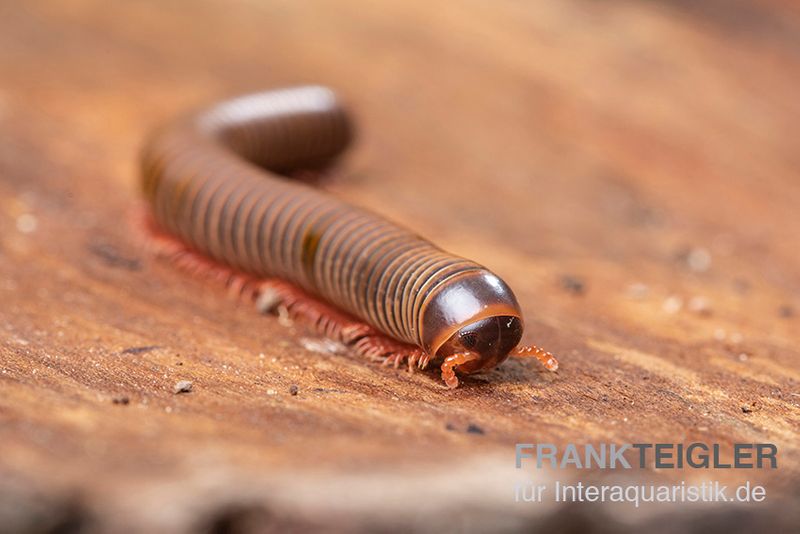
(212, 179)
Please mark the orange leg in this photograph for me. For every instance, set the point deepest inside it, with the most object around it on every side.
(450, 364)
(545, 358)
(272, 295)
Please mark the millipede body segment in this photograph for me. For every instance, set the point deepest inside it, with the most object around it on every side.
(213, 181)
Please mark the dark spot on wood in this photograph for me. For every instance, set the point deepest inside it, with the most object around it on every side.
(786, 312)
(450, 427)
(112, 257)
(573, 284)
(741, 286)
(121, 400)
(293, 389)
(139, 350)
(624, 202)
(472, 428)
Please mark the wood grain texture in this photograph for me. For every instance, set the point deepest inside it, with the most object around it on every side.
(630, 169)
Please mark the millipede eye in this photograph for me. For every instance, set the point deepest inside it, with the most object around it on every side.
(469, 340)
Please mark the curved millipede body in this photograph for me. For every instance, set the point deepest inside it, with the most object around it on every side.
(212, 180)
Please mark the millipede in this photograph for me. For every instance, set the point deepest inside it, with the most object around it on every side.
(222, 205)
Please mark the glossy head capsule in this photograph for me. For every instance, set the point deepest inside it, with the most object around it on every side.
(475, 315)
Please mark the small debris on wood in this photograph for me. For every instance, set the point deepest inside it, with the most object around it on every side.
(322, 345)
(472, 428)
(697, 259)
(268, 301)
(748, 408)
(450, 427)
(121, 400)
(293, 389)
(672, 304)
(700, 306)
(139, 350)
(182, 386)
(573, 284)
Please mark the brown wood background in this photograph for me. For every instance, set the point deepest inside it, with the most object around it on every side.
(632, 169)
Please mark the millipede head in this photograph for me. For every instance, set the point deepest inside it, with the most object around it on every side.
(488, 343)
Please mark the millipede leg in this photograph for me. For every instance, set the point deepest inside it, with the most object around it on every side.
(449, 366)
(424, 360)
(272, 295)
(545, 358)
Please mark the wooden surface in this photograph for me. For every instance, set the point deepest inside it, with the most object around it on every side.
(630, 168)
